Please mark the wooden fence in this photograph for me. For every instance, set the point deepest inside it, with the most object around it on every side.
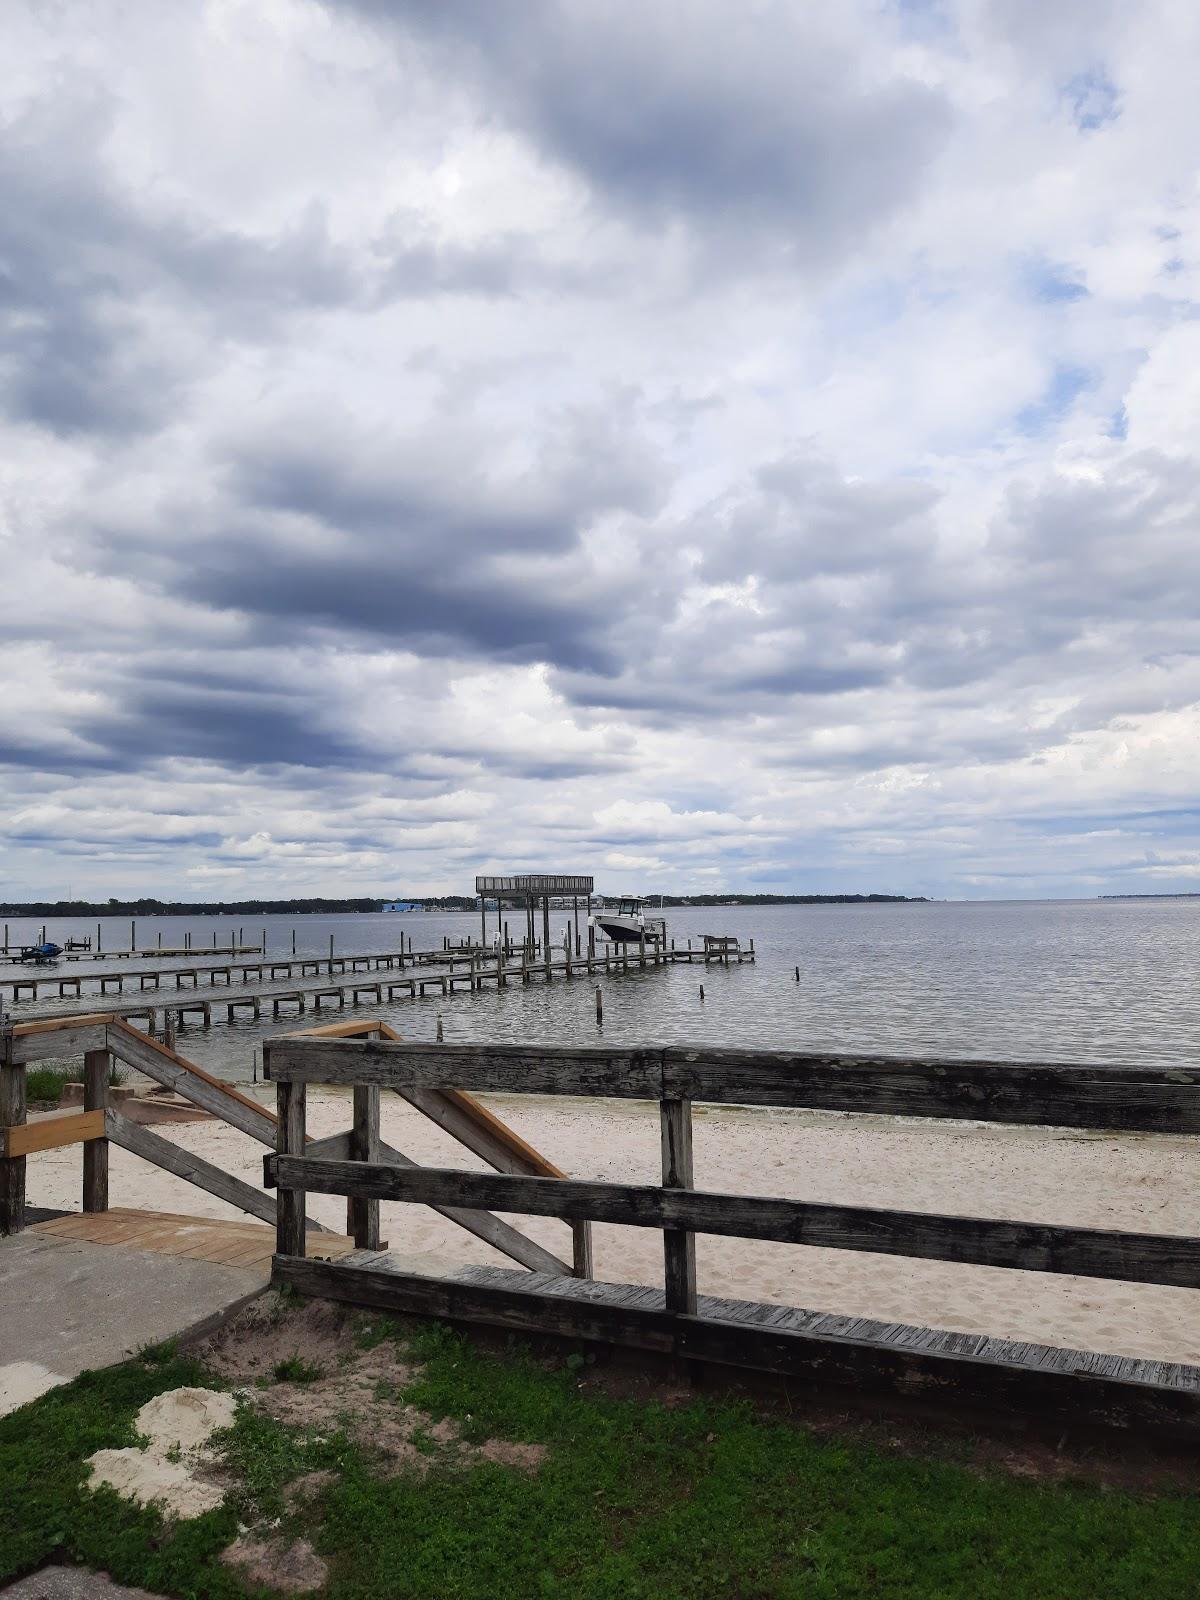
(104, 1039)
(1092, 1385)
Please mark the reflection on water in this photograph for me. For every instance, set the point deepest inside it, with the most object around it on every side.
(1055, 980)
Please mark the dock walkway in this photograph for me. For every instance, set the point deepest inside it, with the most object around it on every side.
(363, 983)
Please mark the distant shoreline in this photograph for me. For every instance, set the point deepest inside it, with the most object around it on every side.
(452, 902)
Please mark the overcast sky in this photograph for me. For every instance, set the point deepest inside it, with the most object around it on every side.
(711, 445)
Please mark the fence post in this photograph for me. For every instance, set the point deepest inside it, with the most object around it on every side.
(97, 1065)
(12, 1115)
(679, 1246)
(581, 1249)
(362, 1216)
(289, 1141)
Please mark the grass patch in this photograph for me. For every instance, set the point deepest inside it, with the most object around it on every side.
(44, 1085)
(295, 1370)
(634, 1501)
(265, 1456)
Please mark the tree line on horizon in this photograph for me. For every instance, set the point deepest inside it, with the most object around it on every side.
(149, 907)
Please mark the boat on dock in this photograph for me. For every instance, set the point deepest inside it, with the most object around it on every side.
(627, 923)
(39, 955)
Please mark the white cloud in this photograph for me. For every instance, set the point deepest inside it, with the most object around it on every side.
(758, 456)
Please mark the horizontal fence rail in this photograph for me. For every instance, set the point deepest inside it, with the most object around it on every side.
(1031, 1247)
(1061, 1094)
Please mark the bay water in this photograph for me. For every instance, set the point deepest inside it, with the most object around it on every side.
(1075, 980)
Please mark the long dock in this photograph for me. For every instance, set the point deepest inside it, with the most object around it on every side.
(30, 986)
(33, 984)
(463, 972)
(8, 958)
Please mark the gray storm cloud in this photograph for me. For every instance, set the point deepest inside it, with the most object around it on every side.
(661, 428)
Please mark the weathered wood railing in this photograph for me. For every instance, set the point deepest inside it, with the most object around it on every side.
(1144, 1100)
(103, 1039)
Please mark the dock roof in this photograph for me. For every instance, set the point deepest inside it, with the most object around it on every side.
(534, 883)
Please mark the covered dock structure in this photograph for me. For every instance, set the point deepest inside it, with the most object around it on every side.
(527, 889)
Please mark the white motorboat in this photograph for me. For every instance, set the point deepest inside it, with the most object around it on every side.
(625, 925)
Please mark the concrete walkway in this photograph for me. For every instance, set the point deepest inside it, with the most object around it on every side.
(66, 1305)
(71, 1583)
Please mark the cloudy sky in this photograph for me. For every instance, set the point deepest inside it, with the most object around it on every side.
(710, 445)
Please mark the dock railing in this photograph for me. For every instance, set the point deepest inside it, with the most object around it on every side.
(1146, 1100)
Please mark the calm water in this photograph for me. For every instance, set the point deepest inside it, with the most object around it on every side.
(1056, 980)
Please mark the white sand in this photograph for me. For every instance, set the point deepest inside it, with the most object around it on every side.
(170, 1471)
(1134, 1182)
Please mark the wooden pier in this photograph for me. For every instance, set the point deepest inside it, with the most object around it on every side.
(31, 985)
(474, 971)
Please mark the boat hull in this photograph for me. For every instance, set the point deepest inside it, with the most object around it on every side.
(621, 930)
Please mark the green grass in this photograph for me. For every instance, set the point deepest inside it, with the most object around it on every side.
(44, 1085)
(295, 1370)
(633, 1502)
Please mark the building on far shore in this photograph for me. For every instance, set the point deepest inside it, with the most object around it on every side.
(401, 905)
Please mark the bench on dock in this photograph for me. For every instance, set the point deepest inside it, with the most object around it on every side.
(1073, 1386)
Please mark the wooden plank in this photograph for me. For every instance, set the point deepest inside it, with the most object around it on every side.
(474, 1126)
(679, 1244)
(492, 1230)
(333, 1147)
(185, 1164)
(192, 1082)
(1026, 1246)
(97, 1064)
(460, 1114)
(1143, 1099)
(509, 1069)
(926, 1362)
(46, 1041)
(289, 1206)
(31, 1030)
(362, 1216)
(51, 1133)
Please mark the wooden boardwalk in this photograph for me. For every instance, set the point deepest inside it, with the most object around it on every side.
(232, 1244)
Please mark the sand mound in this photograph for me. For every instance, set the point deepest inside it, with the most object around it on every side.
(170, 1471)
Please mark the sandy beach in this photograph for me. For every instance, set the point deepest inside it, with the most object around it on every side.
(1137, 1183)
